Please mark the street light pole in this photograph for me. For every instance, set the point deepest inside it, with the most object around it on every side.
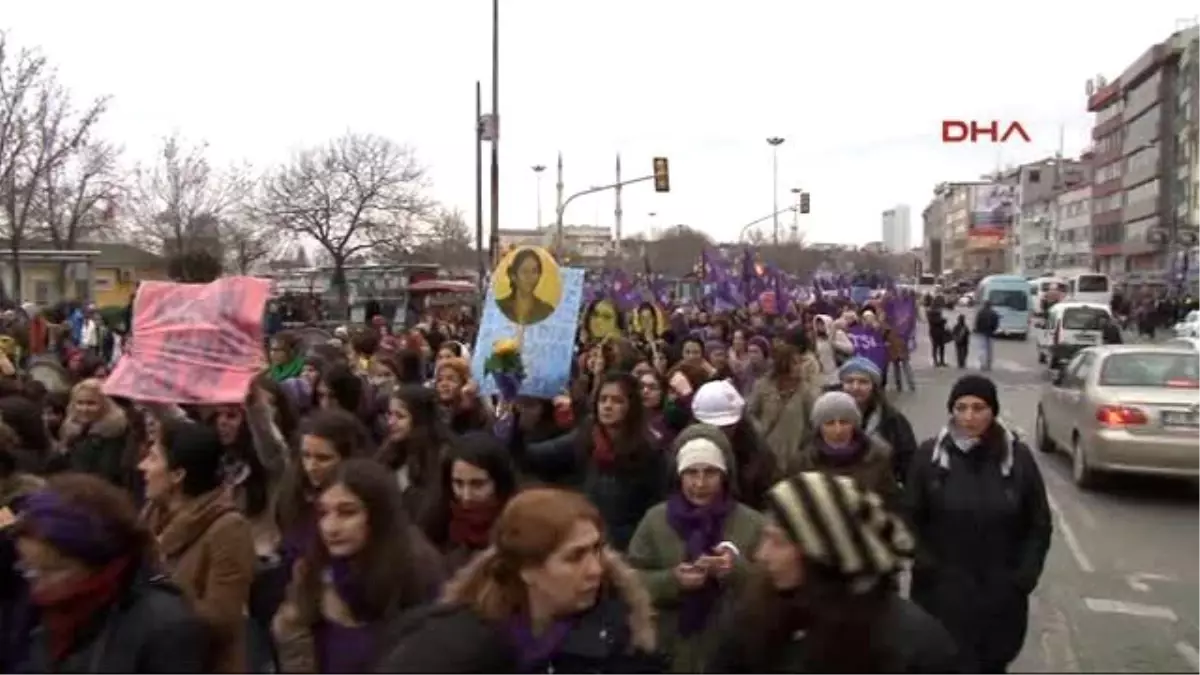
(775, 142)
(495, 168)
(537, 170)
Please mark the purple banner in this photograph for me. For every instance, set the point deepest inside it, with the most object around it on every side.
(869, 344)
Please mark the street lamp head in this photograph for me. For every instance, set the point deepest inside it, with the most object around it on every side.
(797, 191)
(538, 168)
(775, 140)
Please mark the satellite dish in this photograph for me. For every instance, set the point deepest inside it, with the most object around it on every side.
(48, 371)
(1090, 87)
(1101, 82)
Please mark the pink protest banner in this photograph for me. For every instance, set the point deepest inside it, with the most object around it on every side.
(193, 343)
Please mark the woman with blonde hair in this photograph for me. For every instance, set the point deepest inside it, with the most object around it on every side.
(546, 596)
(94, 437)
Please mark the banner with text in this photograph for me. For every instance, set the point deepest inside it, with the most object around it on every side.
(193, 343)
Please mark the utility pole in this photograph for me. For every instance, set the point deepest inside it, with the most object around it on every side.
(537, 170)
(559, 206)
(1058, 184)
(495, 172)
(775, 142)
(479, 188)
(617, 209)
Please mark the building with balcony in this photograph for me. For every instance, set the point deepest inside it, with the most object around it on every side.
(1136, 190)
(1072, 250)
(1041, 184)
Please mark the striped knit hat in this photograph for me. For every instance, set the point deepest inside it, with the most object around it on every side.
(841, 527)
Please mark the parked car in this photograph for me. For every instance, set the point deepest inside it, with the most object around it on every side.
(1184, 342)
(1124, 409)
(1190, 326)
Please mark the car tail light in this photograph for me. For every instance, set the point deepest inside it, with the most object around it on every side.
(1120, 416)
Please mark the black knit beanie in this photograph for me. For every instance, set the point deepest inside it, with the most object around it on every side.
(978, 386)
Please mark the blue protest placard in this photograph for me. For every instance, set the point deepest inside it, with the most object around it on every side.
(547, 348)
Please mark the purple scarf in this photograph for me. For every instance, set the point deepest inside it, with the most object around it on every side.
(349, 587)
(841, 455)
(701, 528)
(534, 651)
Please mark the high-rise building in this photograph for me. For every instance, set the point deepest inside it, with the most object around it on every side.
(897, 229)
(1136, 190)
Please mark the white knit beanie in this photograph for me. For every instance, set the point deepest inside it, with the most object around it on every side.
(700, 451)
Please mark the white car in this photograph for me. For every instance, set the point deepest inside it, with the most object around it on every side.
(1188, 342)
(1190, 326)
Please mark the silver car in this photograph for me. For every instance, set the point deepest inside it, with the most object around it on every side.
(1125, 409)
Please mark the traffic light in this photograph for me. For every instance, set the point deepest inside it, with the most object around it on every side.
(803, 202)
(662, 177)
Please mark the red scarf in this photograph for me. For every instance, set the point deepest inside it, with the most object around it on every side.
(604, 453)
(67, 608)
(471, 526)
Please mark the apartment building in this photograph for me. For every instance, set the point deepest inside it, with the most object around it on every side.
(1072, 250)
(1187, 123)
(932, 236)
(1135, 191)
(1035, 232)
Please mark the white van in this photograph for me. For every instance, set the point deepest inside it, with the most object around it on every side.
(1070, 327)
(1091, 287)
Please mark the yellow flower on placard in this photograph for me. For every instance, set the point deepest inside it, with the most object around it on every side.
(505, 346)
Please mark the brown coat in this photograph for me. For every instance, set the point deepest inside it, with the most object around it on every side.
(208, 551)
(873, 472)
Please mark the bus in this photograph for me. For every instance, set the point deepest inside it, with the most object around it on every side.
(1010, 297)
(1091, 287)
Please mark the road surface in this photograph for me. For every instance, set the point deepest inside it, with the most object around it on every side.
(1120, 589)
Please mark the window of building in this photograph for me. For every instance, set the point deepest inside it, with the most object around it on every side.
(41, 292)
(1144, 192)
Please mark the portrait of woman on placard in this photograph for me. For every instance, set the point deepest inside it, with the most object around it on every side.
(528, 287)
(603, 320)
(649, 320)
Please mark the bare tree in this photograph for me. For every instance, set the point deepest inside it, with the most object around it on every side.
(358, 191)
(446, 239)
(77, 200)
(179, 202)
(246, 243)
(40, 130)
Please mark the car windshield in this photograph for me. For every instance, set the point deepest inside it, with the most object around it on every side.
(1084, 318)
(1009, 299)
(1151, 369)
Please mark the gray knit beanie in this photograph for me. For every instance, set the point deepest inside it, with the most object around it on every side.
(835, 405)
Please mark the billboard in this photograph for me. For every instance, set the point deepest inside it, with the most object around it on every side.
(994, 209)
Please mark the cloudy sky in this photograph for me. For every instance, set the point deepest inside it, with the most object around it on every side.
(858, 90)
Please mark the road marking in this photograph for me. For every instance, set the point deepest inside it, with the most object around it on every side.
(1189, 654)
(1081, 558)
(1106, 606)
(1138, 581)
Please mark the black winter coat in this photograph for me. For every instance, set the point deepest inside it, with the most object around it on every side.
(983, 527)
(149, 629)
(623, 493)
(453, 639)
(909, 639)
